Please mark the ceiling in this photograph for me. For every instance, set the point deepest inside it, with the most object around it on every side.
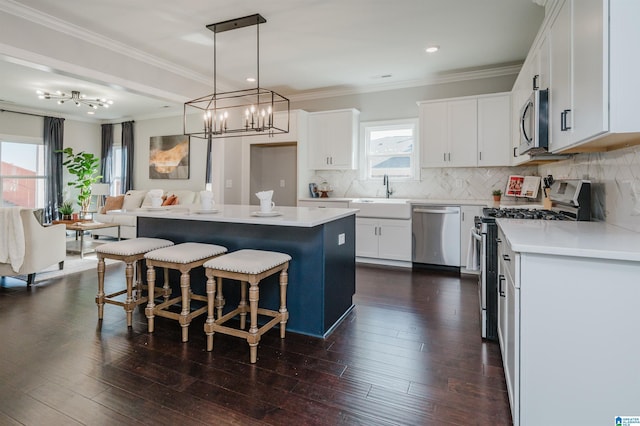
(307, 47)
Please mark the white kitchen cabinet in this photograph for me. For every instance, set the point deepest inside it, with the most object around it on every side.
(467, 215)
(560, 97)
(332, 137)
(449, 135)
(383, 239)
(466, 132)
(509, 321)
(567, 324)
(593, 88)
(494, 130)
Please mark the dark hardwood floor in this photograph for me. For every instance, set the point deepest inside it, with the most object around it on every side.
(409, 353)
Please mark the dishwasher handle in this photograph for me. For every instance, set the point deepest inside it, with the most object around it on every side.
(447, 211)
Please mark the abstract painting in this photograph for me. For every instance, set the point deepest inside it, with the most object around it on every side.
(169, 157)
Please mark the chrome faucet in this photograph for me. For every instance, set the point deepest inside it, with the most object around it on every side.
(385, 182)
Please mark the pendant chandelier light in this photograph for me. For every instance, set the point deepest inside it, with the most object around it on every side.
(246, 112)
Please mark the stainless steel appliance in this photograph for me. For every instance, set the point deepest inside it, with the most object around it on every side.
(436, 235)
(534, 123)
(571, 200)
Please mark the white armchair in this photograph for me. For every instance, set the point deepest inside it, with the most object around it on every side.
(44, 246)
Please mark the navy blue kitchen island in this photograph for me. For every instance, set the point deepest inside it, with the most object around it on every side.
(321, 242)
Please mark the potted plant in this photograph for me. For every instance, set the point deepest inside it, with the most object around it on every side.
(66, 209)
(496, 194)
(84, 166)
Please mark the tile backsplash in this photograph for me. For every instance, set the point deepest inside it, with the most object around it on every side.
(454, 183)
(615, 179)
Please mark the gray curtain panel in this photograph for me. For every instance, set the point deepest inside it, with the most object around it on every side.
(106, 160)
(53, 137)
(127, 156)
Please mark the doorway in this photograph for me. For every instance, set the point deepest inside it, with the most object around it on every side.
(274, 167)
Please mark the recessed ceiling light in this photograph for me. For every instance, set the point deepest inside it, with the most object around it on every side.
(251, 79)
(432, 49)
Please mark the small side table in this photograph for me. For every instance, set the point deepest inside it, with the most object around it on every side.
(79, 227)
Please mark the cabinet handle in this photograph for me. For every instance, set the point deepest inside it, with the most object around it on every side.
(506, 258)
(535, 82)
(449, 156)
(444, 156)
(566, 112)
(515, 152)
(480, 154)
(500, 281)
(380, 230)
(498, 240)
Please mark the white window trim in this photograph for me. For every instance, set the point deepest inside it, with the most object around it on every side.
(415, 167)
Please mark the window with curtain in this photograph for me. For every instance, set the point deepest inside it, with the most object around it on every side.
(116, 170)
(22, 173)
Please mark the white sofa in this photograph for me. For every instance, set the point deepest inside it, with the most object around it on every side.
(136, 200)
(43, 246)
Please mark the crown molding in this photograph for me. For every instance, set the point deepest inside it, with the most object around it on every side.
(25, 12)
(430, 81)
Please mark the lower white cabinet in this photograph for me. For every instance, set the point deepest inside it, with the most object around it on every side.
(568, 333)
(383, 238)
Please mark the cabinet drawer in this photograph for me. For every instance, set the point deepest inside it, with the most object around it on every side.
(506, 258)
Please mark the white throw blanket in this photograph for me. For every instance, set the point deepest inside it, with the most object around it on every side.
(12, 245)
(473, 262)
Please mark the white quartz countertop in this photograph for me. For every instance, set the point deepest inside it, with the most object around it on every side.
(288, 216)
(508, 202)
(580, 239)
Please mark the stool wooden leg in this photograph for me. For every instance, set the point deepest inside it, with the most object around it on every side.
(284, 280)
(220, 298)
(253, 337)
(151, 284)
(100, 295)
(166, 288)
(243, 305)
(129, 304)
(138, 293)
(208, 325)
(185, 314)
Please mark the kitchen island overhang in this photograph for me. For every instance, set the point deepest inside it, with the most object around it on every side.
(321, 243)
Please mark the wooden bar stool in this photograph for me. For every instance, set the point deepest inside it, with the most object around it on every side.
(246, 266)
(130, 252)
(182, 257)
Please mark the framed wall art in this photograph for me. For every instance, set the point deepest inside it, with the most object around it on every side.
(169, 157)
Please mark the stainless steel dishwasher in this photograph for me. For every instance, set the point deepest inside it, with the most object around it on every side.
(436, 235)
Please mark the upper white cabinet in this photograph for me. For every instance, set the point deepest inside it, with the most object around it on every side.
(333, 137)
(494, 130)
(592, 86)
(466, 132)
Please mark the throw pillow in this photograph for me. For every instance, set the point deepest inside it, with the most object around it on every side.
(132, 200)
(170, 200)
(113, 203)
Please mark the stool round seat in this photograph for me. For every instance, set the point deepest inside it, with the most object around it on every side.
(182, 257)
(132, 247)
(248, 261)
(247, 266)
(131, 252)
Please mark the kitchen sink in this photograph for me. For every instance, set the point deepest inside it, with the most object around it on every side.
(388, 208)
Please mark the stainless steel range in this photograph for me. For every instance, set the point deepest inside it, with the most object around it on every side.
(571, 200)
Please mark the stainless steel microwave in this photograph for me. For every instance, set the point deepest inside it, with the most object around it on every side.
(534, 123)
